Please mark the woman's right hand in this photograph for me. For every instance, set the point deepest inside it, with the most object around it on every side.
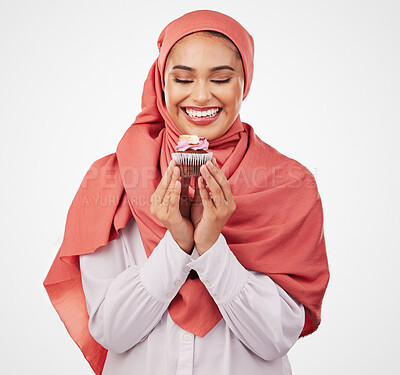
(165, 207)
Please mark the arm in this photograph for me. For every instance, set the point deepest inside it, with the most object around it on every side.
(259, 312)
(125, 302)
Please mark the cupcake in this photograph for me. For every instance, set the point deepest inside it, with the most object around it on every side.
(191, 154)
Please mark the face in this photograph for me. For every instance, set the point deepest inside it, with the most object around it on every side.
(204, 83)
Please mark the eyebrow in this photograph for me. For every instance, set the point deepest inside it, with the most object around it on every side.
(188, 68)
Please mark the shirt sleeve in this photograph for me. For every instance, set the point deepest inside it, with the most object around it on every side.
(259, 312)
(126, 301)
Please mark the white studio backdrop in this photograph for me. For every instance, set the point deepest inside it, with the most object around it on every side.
(325, 92)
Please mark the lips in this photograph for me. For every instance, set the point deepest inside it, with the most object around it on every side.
(202, 115)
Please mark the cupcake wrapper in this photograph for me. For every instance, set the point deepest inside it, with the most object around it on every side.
(190, 163)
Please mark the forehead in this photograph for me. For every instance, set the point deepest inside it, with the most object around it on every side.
(203, 49)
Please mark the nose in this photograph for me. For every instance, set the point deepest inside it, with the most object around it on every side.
(201, 92)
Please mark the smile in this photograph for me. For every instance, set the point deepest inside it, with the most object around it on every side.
(201, 116)
(203, 113)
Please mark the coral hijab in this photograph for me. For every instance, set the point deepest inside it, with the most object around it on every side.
(277, 228)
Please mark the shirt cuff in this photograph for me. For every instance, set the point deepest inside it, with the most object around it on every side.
(165, 270)
(220, 271)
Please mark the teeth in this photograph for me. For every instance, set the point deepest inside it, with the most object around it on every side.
(199, 114)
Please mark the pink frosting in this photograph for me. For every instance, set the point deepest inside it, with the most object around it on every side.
(184, 145)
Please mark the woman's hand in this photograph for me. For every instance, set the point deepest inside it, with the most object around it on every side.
(165, 207)
(211, 215)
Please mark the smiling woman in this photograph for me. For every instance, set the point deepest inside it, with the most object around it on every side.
(226, 287)
(204, 82)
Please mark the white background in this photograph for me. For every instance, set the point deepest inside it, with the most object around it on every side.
(325, 92)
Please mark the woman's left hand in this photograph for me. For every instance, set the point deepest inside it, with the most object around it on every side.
(211, 214)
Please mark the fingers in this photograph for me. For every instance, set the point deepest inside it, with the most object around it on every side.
(217, 183)
(213, 185)
(174, 204)
(216, 207)
(167, 210)
(205, 196)
(221, 179)
(162, 187)
(171, 187)
(173, 207)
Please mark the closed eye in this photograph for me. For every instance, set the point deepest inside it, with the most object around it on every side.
(221, 81)
(177, 80)
(218, 82)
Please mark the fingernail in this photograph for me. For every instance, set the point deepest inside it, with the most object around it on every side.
(176, 171)
(177, 184)
(170, 163)
(210, 165)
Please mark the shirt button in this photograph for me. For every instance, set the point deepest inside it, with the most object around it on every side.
(200, 270)
(207, 283)
(186, 269)
(216, 297)
(178, 282)
(186, 337)
(169, 295)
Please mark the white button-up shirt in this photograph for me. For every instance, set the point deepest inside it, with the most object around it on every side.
(127, 297)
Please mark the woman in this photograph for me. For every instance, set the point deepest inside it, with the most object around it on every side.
(226, 288)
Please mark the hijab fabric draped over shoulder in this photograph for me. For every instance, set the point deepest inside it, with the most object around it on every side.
(277, 228)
